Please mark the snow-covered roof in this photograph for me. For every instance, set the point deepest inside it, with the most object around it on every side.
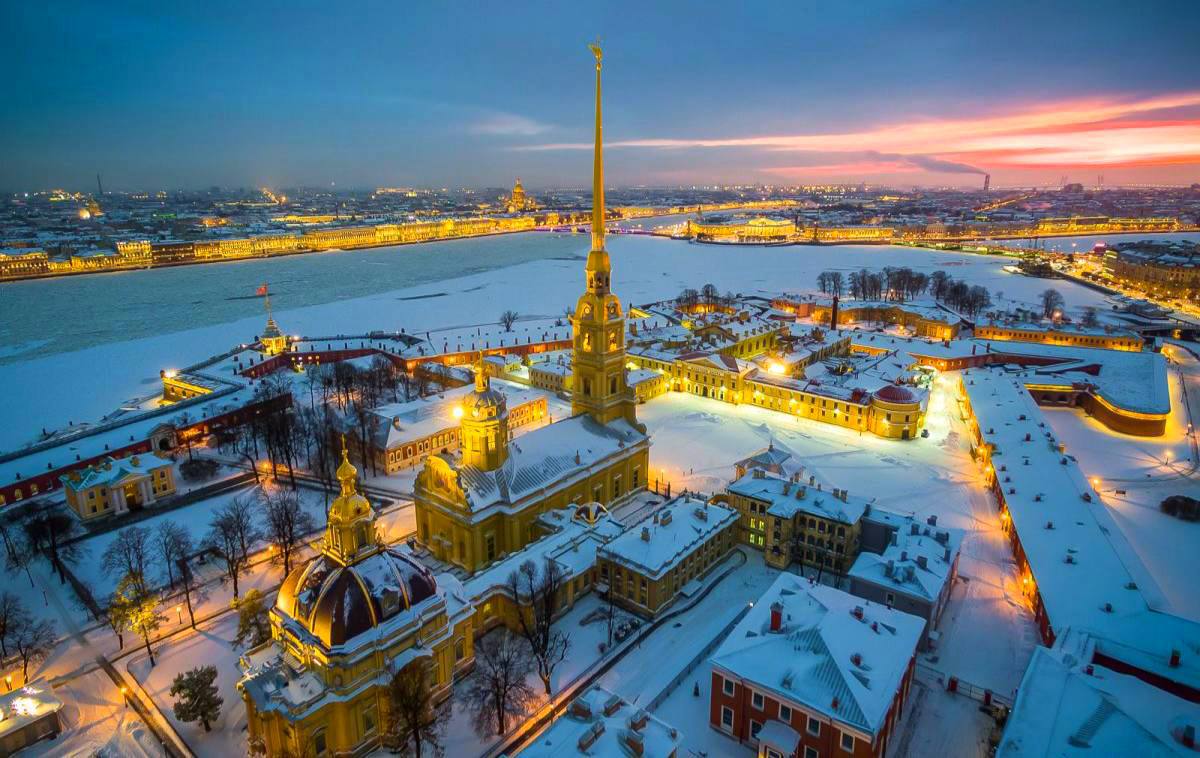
(835, 654)
(785, 498)
(601, 724)
(1062, 710)
(660, 542)
(112, 471)
(1082, 564)
(396, 423)
(552, 454)
(917, 562)
(571, 543)
(26, 705)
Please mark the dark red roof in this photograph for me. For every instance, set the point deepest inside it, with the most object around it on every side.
(894, 393)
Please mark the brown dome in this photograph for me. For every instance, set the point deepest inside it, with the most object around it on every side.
(335, 603)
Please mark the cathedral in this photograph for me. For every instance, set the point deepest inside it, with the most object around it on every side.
(519, 201)
(343, 624)
(482, 502)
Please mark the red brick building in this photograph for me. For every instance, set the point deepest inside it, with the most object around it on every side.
(814, 672)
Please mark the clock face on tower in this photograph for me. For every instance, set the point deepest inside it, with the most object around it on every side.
(587, 311)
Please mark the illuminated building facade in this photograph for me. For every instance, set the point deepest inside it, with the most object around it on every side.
(342, 624)
(922, 320)
(518, 201)
(647, 565)
(118, 485)
(1065, 335)
(758, 229)
(483, 502)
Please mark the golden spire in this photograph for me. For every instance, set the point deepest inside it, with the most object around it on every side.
(346, 473)
(598, 265)
(481, 379)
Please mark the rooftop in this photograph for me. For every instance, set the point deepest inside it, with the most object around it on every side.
(660, 542)
(600, 723)
(786, 497)
(835, 654)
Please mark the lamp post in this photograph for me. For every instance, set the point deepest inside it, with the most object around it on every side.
(8, 682)
(179, 613)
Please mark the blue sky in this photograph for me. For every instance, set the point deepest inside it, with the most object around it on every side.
(364, 94)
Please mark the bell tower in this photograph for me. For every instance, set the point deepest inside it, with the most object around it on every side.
(350, 529)
(598, 326)
(484, 432)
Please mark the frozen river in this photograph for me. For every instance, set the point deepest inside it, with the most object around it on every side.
(77, 347)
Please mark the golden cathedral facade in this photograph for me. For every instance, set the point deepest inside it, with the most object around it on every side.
(343, 624)
(478, 504)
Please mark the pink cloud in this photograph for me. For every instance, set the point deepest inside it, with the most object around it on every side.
(1090, 132)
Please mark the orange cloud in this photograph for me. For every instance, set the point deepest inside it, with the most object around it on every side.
(1083, 132)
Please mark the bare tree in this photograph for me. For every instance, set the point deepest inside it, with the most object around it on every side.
(1052, 300)
(128, 555)
(287, 523)
(33, 640)
(507, 319)
(1091, 317)
(13, 616)
(496, 691)
(415, 720)
(173, 544)
(230, 534)
(49, 530)
(541, 586)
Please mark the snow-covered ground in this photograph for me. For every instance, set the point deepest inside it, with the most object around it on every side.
(212, 646)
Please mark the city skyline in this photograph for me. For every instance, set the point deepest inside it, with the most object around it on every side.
(915, 94)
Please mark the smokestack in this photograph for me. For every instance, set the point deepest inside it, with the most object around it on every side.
(776, 616)
(987, 182)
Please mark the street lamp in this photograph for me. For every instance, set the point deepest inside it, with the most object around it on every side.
(179, 613)
(8, 682)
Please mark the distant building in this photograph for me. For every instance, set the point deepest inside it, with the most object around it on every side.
(518, 201)
(813, 671)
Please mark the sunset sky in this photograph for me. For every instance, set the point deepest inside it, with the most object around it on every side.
(168, 95)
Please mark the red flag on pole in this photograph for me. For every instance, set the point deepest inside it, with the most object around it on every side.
(261, 291)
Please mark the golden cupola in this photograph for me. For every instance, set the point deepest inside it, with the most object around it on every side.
(355, 583)
(350, 532)
(484, 430)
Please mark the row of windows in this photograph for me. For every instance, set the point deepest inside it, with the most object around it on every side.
(786, 714)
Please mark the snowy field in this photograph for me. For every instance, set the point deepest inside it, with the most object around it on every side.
(90, 382)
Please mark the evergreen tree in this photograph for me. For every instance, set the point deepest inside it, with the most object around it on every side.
(198, 700)
(252, 619)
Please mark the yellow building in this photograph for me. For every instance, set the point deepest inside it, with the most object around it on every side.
(401, 435)
(274, 341)
(647, 566)
(342, 624)
(179, 386)
(481, 503)
(119, 485)
(922, 320)
(758, 229)
(790, 521)
(1063, 335)
(518, 201)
